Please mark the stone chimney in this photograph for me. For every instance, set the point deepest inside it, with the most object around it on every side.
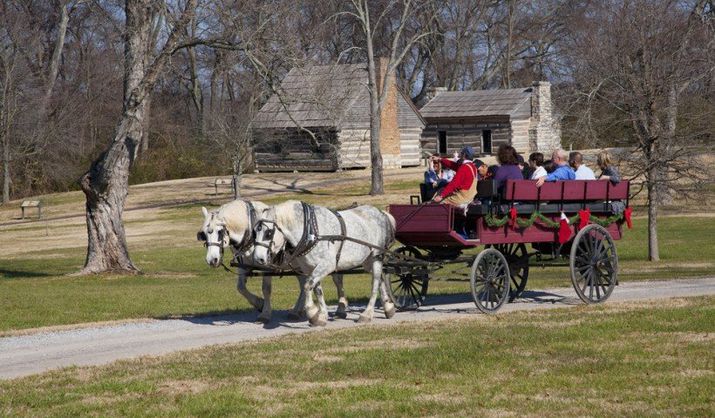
(544, 131)
(389, 125)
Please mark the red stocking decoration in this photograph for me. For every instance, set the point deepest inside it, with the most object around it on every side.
(564, 229)
(584, 216)
(627, 214)
(512, 217)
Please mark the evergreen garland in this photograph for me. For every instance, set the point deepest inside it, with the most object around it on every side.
(493, 221)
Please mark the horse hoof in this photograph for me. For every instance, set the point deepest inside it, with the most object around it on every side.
(363, 319)
(389, 311)
(341, 314)
(317, 321)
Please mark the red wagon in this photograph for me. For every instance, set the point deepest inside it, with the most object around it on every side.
(578, 220)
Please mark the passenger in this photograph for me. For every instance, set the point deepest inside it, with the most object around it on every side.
(536, 162)
(438, 177)
(508, 165)
(482, 170)
(549, 167)
(462, 189)
(526, 170)
(582, 171)
(562, 171)
(608, 171)
(492, 171)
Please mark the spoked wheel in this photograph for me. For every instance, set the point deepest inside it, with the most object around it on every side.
(518, 259)
(408, 289)
(594, 264)
(490, 280)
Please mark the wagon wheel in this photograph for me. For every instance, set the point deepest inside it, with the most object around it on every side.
(490, 280)
(594, 264)
(407, 290)
(518, 259)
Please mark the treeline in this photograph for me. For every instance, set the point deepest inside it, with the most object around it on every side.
(625, 73)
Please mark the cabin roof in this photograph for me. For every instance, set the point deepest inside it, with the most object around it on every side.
(313, 96)
(477, 103)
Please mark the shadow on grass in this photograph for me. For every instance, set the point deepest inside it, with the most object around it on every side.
(19, 274)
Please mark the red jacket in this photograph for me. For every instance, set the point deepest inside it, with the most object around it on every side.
(463, 177)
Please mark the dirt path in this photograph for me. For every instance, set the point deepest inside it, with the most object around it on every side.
(104, 343)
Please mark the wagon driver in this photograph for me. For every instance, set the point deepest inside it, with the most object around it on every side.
(463, 188)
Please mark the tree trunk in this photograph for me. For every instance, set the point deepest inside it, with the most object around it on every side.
(56, 56)
(5, 171)
(653, 253)
(377, 181)
(106, 184)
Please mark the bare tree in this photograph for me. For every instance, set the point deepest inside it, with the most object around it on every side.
(637, 59)
(106, 183)
(391, 22)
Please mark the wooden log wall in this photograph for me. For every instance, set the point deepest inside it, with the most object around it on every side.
(295, 150)
(460, 135)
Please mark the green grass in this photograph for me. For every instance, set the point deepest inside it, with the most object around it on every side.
(176, 281)
(639, 359)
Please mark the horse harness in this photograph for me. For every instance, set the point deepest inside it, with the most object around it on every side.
(311, 236)
(238, 247)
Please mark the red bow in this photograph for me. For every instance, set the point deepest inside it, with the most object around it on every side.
(564, 229)
(627, 214)
(512, 217)
(584, 217)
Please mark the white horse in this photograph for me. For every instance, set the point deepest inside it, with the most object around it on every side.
(231, 225)
(308, 239)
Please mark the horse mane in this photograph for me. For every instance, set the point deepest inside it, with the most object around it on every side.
(285, 214)
(235, 215)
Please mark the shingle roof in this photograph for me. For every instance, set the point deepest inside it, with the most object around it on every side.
(462, 104)
(314, 96)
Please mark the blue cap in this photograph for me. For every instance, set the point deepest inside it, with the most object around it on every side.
(468, 152)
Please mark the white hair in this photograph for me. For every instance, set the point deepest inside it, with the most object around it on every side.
(561, 153)
(235, 215)
(285, 214)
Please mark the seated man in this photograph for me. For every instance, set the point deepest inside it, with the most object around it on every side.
(462, 189)
(582, 171)
(562, 171)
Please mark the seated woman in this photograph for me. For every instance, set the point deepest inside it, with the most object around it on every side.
(435, 179)
(508, 166)
(536, 162)
(608, 171)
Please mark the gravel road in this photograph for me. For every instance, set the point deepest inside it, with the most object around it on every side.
(41, 351)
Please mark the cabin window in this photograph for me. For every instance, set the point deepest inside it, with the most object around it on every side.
(442, 143)
(486, 141)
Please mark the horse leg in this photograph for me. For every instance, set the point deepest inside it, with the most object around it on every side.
(342, 311)
(312, 312)
(387, 304)
(266, 287)
(376, 270)
(297, 311)
(254, 300)
(323, 312)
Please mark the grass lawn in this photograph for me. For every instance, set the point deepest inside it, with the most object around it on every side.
(36, 291)
(637, 359)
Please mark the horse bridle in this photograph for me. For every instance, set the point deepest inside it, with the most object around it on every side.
(247, 240)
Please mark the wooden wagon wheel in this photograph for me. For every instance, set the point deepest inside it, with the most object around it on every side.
(490, 280)
(518, 259)
(594, 264)
(407, 290)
